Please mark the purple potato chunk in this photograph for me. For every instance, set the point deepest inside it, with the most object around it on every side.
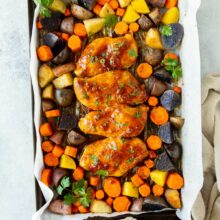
(57, 137)
(163, 162)
(47, 105)
(51, 23)
(173, 41)
(165, 132)
(152, 203)
(162, 75)
(155, 87)
(157, 3)
(64, 97)
(137, 205)
(50, 39)
(170, 100)
(76, 138)
(62, 56)
(89, 4)
(155, 15)
(174, 151)
(145, 23)
(58, 47)
(67, 25)
(152, 56)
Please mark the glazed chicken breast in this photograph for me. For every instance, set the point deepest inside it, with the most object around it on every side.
(105, 54)
(115, 155)
(121, 121)
(109, 89)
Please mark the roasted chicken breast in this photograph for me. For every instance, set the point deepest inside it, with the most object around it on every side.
(109, 89)
(104, 54)
(115, 155)
(121, 121)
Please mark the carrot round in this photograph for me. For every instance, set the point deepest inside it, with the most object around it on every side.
(94, 180)
(144, 190)
(74, 43)
(109, 201)
(152, 154)
(100, 194)
(144, 70)
(159, 115)
(79, 30)
(121, 204)
(47, 146)
(120, 12)
(154, 142)
(149, 163)
(58, 151)
(44, 53)
(83, 209)
(114, 4)
(46, 130)
(171, 3)
(158, 190)
(174, 181)
(39, 25)
(97, 9)
(121, 28)
(51, 160)
(112, 187)
(136, 180)
(71, 151)
(46, 176)
(177, 89)
(143, 172)
(153, 101)
(133, 27)
(65, 36)
(53, 113)
(171, 55)
(78, 173)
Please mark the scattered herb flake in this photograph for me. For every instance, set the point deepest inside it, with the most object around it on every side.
(102, 61)
(130, 160)
(137, 115)
(121, 85)
(107, 156)
(94, 159)
(132, 52)
(166, 30)
(70, 199)
(86, 96)
(131, 150)
(111, 20)
(96, 102)
(102, 172)
(123, 140)
(120, 125)
(114, 147)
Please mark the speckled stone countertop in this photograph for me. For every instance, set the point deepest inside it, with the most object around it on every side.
(17, 196)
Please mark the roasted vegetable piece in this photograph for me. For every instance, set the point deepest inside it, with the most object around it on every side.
(145, 23)
(130, 15)
(67, 120)
(152, 56)
(65, 68)
(58, 174)
(67, 25)
(58, 206)
(50, 39)
(129, 189)
(163, 162)
(166, 133)
(159, 177)
(110, 88)
(174, 181)
(152, 203)
(58, 5)
(112, 154)
(63, 81)
(80, 12)
(64, 97)
(140, 6)
(112, 186)
(47, 105)
(170, 100)
(48, 92)
(173, 198)
(89, 4)
(106, 10)
(121, 121)
(99, 206)
(58, 47)
(153, 39)
(174, 151)
(177, 121)
(121, 204)
(171, 16)
(155, 86)
(67, 162)
(124, 3)
(75, 138)
(57, 137)
(155, 15)
(137, 205)
(107, 53)
(45, 75)
(94, 25)
(51, 23)
(174, 40)
(157, 3)
(162, 75)
(62, 56)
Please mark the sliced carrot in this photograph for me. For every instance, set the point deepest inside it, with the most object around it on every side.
(144, 190)
(154, 142)
(121, 204)
(79, 30)
(65, 36)
(78, 173)
(120, 12)
(94, 180)
(114, 4)
(47, 146)
(53, 113)
(112, 186)
(143, 172)
(133, 27)
(144, 70)
(97, 9)
(58, 151)
(171, 55)
(153, 101)
(136, 180)
(159, 115)
(100, 194)
(177, 89)
(157, 190)
(102, 2)
(67, 12)
(171, 3)
(39, 25)
(74, 209)
(83, 209)
(174, 181)
(44, 53)
(152, 154)
(71, 151)
(109, 201)
(149, 163)
(74, 43)
(46, 130)
(51, 160)
(121, 28)
(46, 176)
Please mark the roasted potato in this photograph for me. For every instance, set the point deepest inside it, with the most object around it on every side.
(67, 25)
(75, 138)
(94, 25)
(159, 177)
(65, 68)
(67, 162)
(173, 198)
(140, 6)
(63, 81)
(58, 5)
(145, 23)
(152, 56)
(99, 206)
(129, 189)
(130, 15)
(58, 206)
(62, 56)
(48, 92)
(80, 12)
(106, 10)
(64, 97)
(45, 75)
(153, 39)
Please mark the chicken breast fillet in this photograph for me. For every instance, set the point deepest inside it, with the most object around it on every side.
(115, 155)
(121, 121)
(109, 89)
(105, 54)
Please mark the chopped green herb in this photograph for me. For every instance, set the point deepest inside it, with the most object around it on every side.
(96, 102)
(86, 96)
(120, 125)
(107, 156)
(64, 184)
(136, 103)
(166, 30)
(114, 147)
(93, 59)
(119, 44)
(70, 199)
(177, 72)
(94, 159)
(116, 164)
(111, 20)
(108, 97)
(44, 4)
(130, 160)
(121, 85)
(102, 172)
(132, 53)
(102, 61)
(131, 150)
(123, 140)
(137, 115)
(104, 54)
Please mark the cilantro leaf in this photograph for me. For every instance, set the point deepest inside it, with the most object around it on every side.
(102, 172)
(111, 20)
(177, 72)
(132, 53)
(44, 4)
(64, 184)
(85, 200)
(70, 199)
(166, 30)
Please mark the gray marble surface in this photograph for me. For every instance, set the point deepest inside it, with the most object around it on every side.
(17, 195)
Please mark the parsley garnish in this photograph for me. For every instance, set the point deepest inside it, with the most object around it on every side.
(166, 30)
(44, 4)
(131, 150)
(130, 160)
(96, 102)
(64, 184)
(94, 159)
(102, 172)
(123, 140)
(86, 96)
(137, 115)
(121, 85)
(108, 97)
(120, 125)
(102, 61)
(111, 20)
(132, 53)
(114, 147)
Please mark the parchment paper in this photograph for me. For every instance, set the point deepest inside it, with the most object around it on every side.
(191, 111)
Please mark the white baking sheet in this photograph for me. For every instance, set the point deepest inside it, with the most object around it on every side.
(191, 111)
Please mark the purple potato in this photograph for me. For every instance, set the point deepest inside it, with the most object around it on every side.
(152, 203)
(170, 100)
(157, 3)
(62, 56)
(67, 25)
(174, 151)
(57, 137)
(163, 162)
(145, 23)
(165, 132)
(50, 39)
(51, 23)
(162, 75)
(89, 4)
(76, 138)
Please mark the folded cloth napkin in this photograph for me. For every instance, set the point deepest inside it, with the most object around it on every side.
(207, 204)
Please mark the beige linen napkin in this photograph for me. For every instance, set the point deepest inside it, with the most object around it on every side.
(207, 205)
